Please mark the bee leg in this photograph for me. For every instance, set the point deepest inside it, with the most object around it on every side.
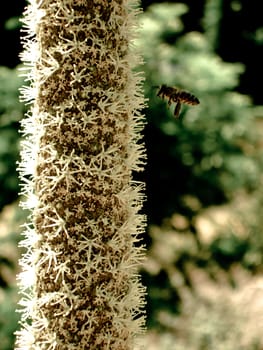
(177, 110)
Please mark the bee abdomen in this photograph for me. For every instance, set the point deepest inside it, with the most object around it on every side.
(187, 98)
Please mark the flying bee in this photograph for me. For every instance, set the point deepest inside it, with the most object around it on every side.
(178, 96)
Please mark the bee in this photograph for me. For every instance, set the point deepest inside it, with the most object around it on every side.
(178, 96)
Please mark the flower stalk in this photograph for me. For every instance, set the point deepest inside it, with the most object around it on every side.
(82, 141)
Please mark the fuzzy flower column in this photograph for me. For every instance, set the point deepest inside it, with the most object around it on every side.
(82, 141)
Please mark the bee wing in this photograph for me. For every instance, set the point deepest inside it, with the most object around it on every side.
(177, 109)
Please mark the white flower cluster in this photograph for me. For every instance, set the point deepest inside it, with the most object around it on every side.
(79, 282)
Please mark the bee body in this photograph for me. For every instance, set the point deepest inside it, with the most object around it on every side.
(178, 96)
(187, 98)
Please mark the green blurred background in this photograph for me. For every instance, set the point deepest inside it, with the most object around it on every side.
(204, 174)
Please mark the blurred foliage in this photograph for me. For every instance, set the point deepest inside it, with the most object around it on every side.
(11, 218)
(206, 168)
(11, 111)
(13, 23)
(8, 318)
(213, 152)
